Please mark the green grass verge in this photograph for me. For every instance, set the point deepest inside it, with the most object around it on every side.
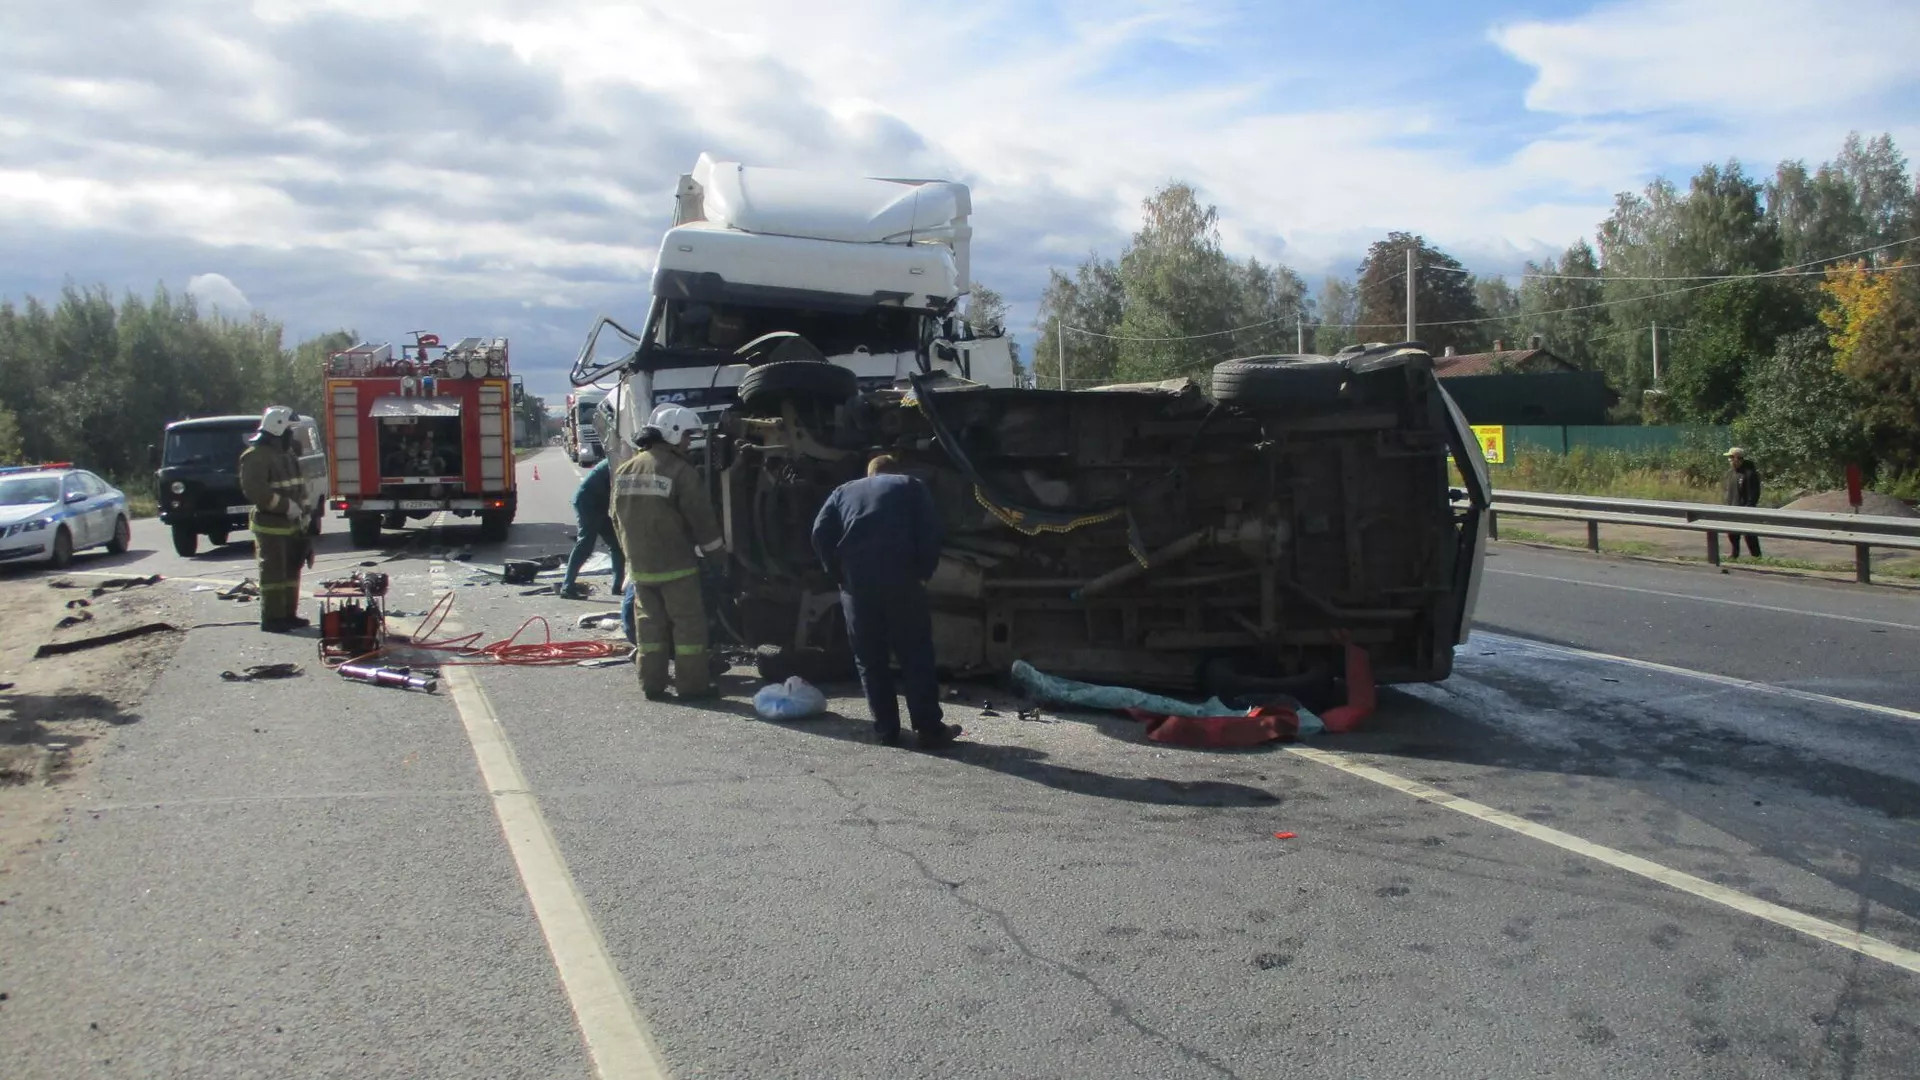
(141, 506)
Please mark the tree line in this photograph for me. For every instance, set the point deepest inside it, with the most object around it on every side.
(94, 381)
(1786, 306)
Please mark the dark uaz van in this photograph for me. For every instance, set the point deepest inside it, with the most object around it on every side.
(199, 490)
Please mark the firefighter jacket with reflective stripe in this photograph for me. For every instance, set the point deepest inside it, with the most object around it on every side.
(270, 478)
(662, 514)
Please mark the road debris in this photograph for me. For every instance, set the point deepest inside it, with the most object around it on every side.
(1283, 836)
(264, 671)
(64, 647)
(73, 620)
(121, 584)
(246, 590)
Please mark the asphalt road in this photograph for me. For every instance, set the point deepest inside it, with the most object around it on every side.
(312, 878)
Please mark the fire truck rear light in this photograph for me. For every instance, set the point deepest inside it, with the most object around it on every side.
(339, 504)
(499, 504)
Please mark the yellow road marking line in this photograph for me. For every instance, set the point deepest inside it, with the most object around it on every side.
(616, 1036)
(1704, 599)
(1832, 933)
(1708, 676)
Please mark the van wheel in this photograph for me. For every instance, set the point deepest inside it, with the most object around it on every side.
(774, 663)
(218, 537)
(364, 530)
(1299, 382)
(122, 537)
(319, 520)
(185, 541)
(62, 549)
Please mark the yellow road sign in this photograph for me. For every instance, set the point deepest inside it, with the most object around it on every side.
(1493, 442)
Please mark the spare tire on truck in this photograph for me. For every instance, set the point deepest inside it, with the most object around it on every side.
(1279, 382)
(766, 387)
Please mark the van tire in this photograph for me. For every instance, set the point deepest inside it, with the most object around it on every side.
(317, 522)
(776, 663)
(766, 387)
(1267, 382)
(185, 541)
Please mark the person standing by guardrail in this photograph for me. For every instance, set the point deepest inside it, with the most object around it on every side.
(1741, 488)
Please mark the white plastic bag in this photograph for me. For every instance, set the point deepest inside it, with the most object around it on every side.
(794, 699)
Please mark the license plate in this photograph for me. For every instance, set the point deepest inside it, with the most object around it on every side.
(241, 509)
(419, 504)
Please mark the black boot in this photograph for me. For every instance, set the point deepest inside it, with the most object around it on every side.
(935, 738)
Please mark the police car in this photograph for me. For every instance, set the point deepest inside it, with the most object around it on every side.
(48, 512)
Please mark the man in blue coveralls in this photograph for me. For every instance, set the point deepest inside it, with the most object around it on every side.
(879, 538)
(591, 506)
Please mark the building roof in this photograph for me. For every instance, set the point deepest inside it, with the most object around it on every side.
(1526, 361)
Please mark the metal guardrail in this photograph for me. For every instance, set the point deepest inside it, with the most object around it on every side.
(1863, 532)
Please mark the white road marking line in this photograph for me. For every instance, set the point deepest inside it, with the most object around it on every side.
(1707, 676)
(1707, 599)
(616, 1036)
(1832, 933)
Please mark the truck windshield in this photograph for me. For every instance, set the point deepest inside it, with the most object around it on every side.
(583, 414)
(726, 327)
(29, 490)
(216, 447)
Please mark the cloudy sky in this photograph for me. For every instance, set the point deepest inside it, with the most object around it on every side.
(506, 166)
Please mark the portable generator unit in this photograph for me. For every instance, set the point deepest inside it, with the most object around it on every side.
(352, 623)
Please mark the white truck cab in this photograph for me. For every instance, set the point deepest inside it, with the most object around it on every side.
(868, 270)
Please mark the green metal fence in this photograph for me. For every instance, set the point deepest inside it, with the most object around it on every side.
(1626, 437)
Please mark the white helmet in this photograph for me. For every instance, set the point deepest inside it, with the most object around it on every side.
(674, 421)
(276, 420)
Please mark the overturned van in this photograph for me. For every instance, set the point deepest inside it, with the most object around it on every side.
(1148, 535)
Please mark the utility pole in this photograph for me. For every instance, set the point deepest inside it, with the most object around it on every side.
(1060, 339)
(1409, 336)
(1299, 334)
(1653, 331)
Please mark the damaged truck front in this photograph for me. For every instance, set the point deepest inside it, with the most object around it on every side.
(1156, 535)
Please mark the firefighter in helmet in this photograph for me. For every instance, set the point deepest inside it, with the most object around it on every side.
(663, 517)
(270, 478)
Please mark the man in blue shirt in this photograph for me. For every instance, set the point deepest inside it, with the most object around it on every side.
(879, 538)
(591, 506)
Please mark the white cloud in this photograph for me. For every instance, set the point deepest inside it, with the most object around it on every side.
(358, 161)
(1726, 57)
(215, 291)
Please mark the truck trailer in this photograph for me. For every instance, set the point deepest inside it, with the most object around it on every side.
(421, 431)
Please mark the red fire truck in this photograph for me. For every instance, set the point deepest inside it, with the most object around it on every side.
(424, 431)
